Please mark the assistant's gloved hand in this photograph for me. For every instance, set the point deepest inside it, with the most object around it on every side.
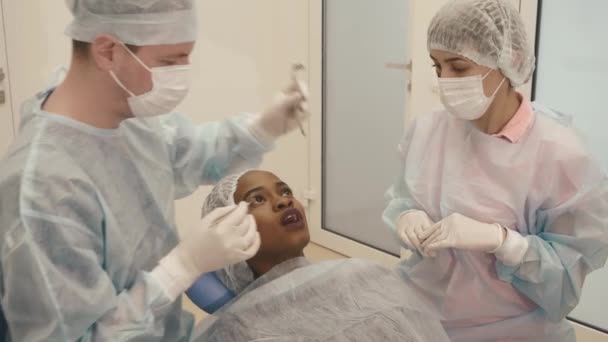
(283, 115)
(410, 226)
(460, 232)
(226, 236)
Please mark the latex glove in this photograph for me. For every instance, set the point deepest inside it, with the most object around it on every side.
(460, 232)
(286, 113)
(410, 226)
(513, 249)
(226, 236)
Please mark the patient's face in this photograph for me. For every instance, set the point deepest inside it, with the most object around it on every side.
(280, 217)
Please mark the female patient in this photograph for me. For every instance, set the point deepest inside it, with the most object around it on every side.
(282, 297)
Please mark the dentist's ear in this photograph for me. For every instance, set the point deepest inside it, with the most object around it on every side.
(103, 51)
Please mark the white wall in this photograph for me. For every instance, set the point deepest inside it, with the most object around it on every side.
(35, 45)
(243, 57)
(6, 113)
(241, 60)
(423, 98)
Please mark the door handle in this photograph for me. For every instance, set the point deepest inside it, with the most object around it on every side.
(399, 66)
(402, 66)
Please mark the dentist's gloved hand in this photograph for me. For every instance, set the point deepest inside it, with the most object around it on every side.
(460, 232)
(410, 226)
(226, 236)
(283, 115)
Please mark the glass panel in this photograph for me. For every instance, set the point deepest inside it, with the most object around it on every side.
(571, 79)
(364, 110)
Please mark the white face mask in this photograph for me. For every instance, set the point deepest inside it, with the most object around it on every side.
(464, 97)
(170, 86)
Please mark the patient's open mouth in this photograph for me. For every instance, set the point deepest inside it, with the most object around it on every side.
(292, 218)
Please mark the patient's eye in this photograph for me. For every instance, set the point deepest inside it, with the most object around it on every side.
(257, 199)
(287, 192)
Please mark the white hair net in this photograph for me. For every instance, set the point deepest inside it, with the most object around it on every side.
(238, 276)
(222, 194)
(135, 22)
(488, 32)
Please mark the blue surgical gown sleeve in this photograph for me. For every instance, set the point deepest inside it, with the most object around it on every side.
(203, 154)
(571, 238)
(55, 283)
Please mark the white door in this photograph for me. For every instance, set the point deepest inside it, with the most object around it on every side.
(365, 89)
(6, 113)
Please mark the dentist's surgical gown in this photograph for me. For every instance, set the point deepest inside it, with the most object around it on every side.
(86, 213)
